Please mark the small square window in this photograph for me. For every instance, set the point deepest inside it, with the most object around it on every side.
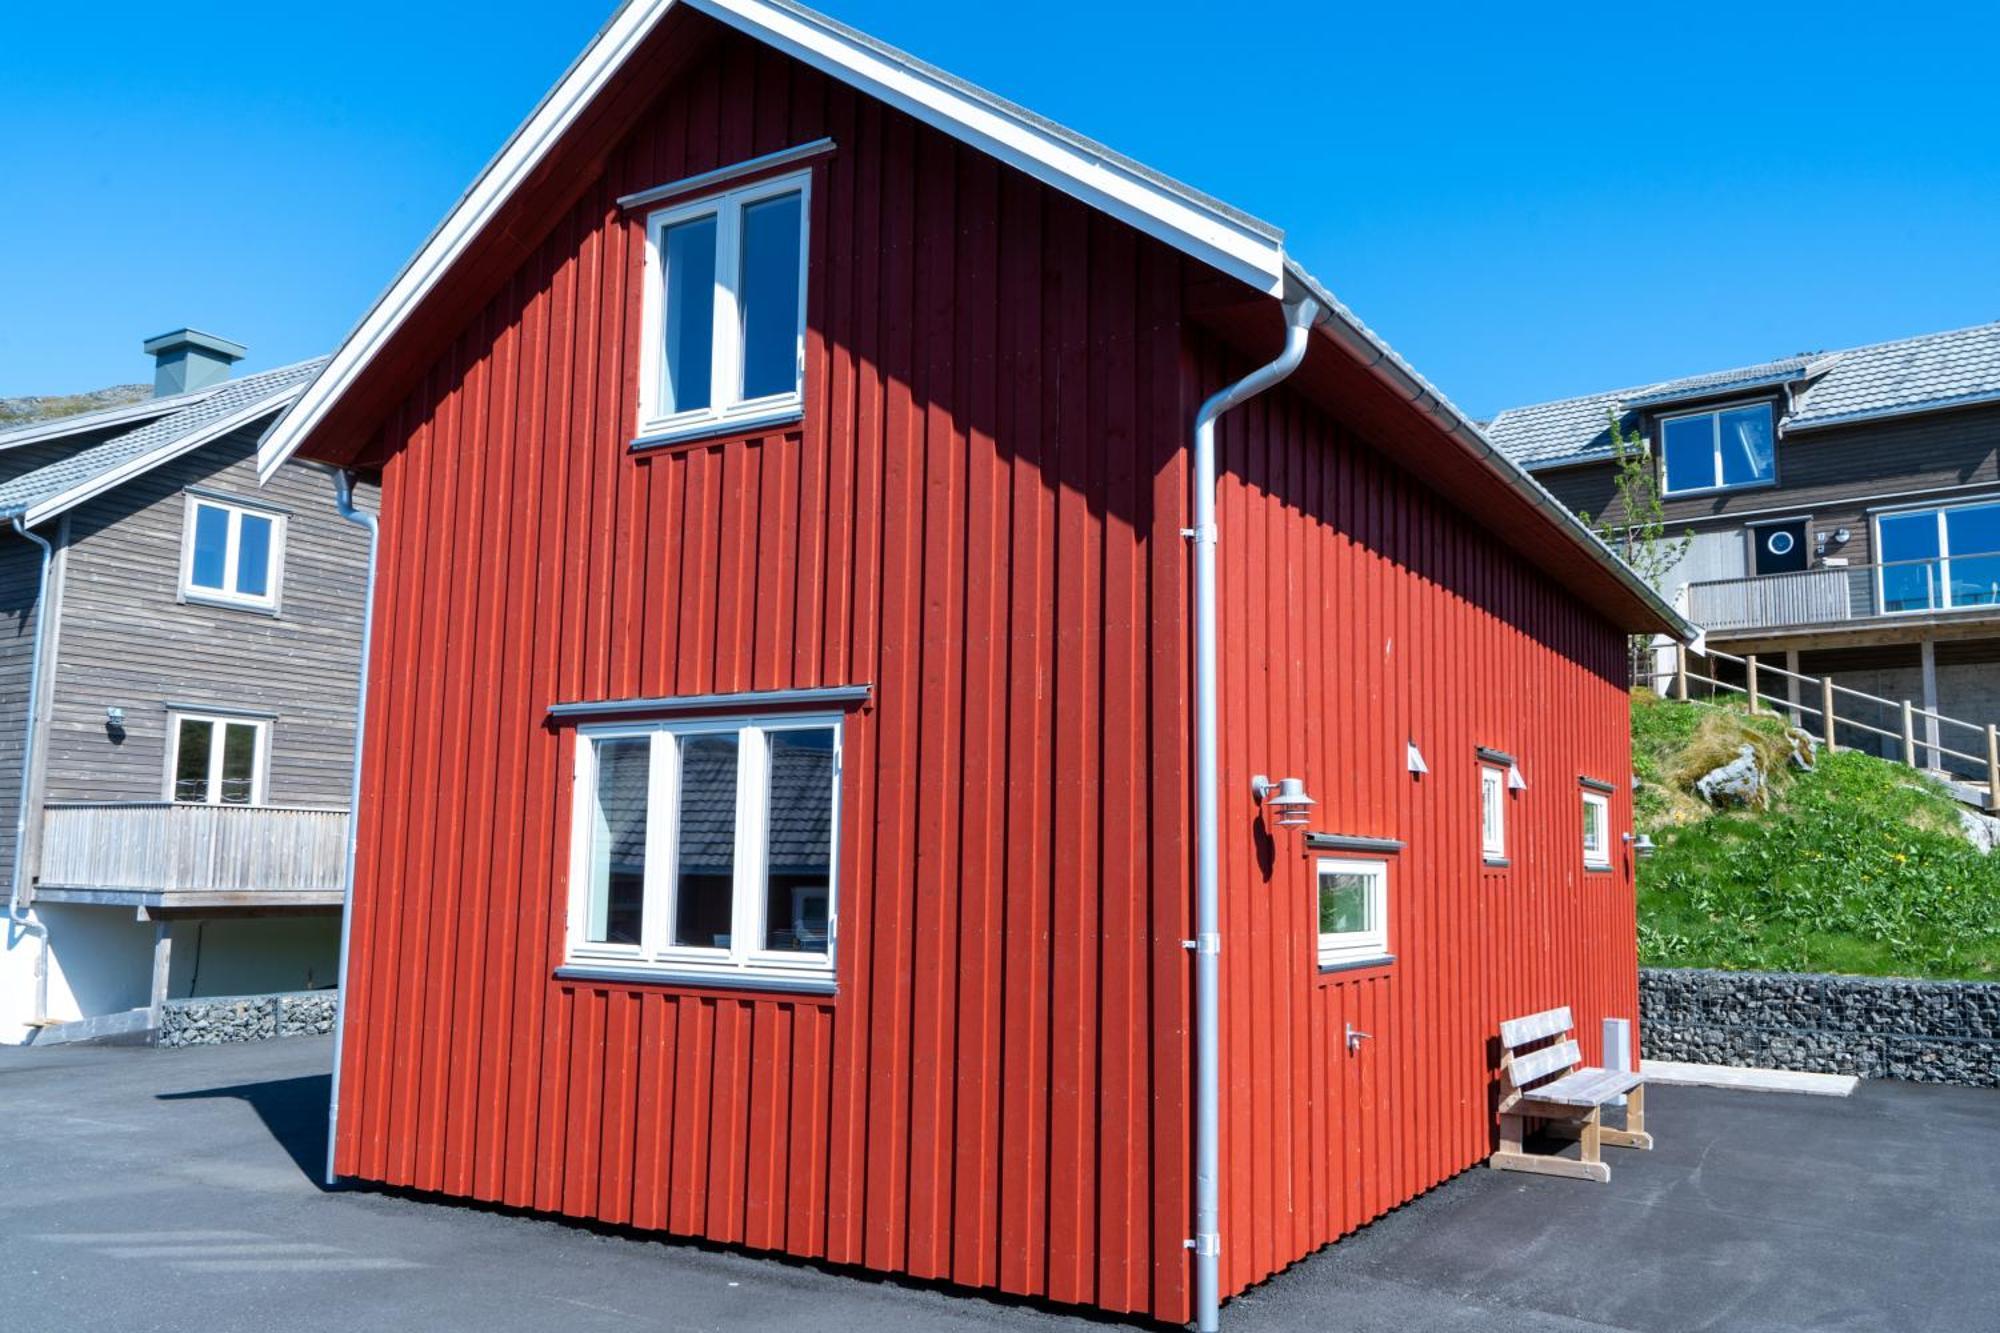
(1493, 812)
(1353, 911)
(725, 312)
(230, 554)
(1708, 451)
(706, 849)
(216, 760)
(1596, 830)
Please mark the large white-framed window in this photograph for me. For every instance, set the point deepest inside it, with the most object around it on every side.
(724, 323)
(1353, 899)
(232, 554)
(216, 760)
(1938, 559)
(1493, 812)
(705, 850)
(1719, 449)
(1596, 830)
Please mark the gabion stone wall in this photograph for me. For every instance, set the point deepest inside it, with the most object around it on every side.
(1921, 1031)
(211, 1022)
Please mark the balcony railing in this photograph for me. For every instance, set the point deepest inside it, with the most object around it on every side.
(1832, 594)
(165, 851)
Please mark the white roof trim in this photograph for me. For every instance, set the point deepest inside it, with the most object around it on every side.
(79, 423)
(1208, 231)
(146, 462)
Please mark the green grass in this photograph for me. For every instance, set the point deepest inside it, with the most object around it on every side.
(1854, 867)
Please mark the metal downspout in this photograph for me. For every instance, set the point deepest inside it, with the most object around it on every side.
(17, 916)
(1207, 1241)
(343, 500)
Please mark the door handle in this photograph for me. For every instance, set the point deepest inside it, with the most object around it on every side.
(1355, 1036)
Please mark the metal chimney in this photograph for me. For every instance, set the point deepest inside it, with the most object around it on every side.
(187, 359)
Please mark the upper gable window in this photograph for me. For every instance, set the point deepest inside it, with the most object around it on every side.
(1712, 451)
(725, 312)
(231, 553)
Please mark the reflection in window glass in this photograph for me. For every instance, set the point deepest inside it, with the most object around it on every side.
(1909, 558)
(770, 297)
(211, 546)
(191, 756)
(688, 252)
(705, 851)
(1972, 539)
(616, 911)
(1690, 452)
(798, 870)
(1343, 904)
(1746, 446)
(253, 555)
(238, 780)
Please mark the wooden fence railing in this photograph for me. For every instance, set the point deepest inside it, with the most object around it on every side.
(163, 846)
(1830, 696)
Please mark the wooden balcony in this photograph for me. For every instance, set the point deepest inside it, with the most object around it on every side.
(1912, 593)
(167, 856)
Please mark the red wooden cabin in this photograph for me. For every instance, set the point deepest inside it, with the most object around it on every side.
(777, 816)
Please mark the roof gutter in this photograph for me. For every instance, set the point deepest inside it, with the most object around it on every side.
(1362, 344)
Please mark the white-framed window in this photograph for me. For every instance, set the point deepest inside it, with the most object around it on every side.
(706, 849)
(1597, 830)
(1493, 812)
(1719, 449)
(1353, 899)
(216, 760)
(724, 326)
(231, 554)
(1938, 559)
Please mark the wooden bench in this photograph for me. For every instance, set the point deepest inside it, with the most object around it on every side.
(1549, 1083)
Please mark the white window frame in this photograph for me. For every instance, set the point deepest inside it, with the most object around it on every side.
(1348, 948)
(227, 595)
(1492, 811)
(1715, 481)
(258, 765)
(656, 955)
(1598, 857)
(1941, 561)
(726, 410)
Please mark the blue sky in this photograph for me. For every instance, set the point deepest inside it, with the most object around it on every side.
(1528, 201)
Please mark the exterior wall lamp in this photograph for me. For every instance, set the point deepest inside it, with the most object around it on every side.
(1287, 796)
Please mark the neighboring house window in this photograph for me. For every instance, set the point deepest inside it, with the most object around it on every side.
(231, 553)
(1493, 812)
(1938, 559)
(705, 849)
(217, 760)
(1353, 911)
(1596, 830)
(1708, 451)
(725, 311)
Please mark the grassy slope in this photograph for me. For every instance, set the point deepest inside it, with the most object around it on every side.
(1854, 867)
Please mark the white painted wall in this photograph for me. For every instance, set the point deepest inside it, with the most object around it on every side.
(101, 961)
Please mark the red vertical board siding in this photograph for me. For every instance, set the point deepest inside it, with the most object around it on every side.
(969, 519)
(980, 515)
(1362, 613)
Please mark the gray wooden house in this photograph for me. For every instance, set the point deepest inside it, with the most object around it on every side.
(178, 672)
(1845, 517)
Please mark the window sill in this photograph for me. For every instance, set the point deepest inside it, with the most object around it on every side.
(188, 598)
(1356, 964)
(660, 976)
(1700, 491)
(1497, 862)
(1597, 869)
(712, 430)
